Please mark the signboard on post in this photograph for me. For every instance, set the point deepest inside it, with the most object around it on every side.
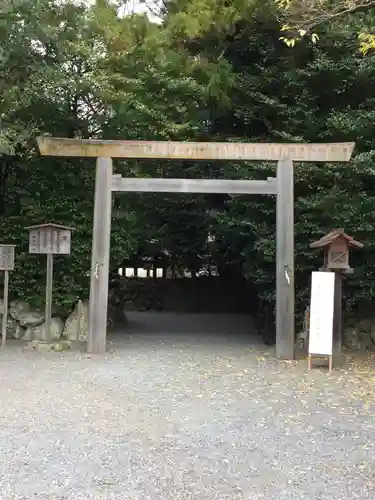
(50, 239)
(6, 265)
(7, 257)
(321, 315)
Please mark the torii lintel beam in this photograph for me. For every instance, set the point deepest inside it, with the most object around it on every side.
(96, 148)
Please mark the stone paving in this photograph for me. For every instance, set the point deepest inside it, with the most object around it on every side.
(184, 407)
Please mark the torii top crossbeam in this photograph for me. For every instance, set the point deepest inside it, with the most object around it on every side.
(96, 148)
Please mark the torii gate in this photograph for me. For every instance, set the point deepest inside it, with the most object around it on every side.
(281, 186)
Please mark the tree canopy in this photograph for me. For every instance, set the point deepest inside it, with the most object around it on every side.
(304, 18)
(209, 70)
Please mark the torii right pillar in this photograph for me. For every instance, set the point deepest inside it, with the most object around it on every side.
(285, 260)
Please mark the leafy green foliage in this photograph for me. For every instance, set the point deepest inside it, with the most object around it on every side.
(217, 72)
(320, 93)
(303, 17)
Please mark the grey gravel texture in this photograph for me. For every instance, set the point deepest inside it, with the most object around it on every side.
(184, 407)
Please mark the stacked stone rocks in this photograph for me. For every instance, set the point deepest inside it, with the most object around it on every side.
(27, 324)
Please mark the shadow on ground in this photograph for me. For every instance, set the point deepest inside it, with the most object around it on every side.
(186, 328)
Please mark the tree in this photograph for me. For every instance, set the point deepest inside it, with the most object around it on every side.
(303, 18)
(73, 71)
(312, 94)
(51, 84)
(217, 74)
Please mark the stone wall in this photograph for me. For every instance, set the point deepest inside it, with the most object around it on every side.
(359, 334)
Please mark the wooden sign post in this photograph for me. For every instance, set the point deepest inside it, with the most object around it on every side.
(321, 316)
(6, 265)
(49, 239)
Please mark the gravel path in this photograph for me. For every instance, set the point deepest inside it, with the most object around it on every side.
(202, 416)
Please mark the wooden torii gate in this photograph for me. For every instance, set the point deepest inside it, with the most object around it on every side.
(281, 186)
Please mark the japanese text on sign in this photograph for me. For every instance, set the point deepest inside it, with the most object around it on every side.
(49, 240)
(6, 257)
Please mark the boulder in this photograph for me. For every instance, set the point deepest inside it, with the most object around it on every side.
(130, 306)
(359, 335)
(31, 318)
(14, 330)
(365, 342)
(350, 338)
(372, 334)
(28, 334)
(19, 331)
(302, 341)
(43, 347)
(77, 323)
(62, 346)
(17, 308)
(22, 312)
(39, 332)
(365, 325)
(116, 316)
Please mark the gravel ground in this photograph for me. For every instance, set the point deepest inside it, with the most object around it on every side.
(184, 407)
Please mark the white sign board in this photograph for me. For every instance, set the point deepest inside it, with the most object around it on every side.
(321, 313)
(50, 240)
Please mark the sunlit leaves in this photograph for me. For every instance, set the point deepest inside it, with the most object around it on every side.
(367, 42)
(304, 17)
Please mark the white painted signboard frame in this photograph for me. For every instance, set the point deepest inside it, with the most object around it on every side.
(321, 315)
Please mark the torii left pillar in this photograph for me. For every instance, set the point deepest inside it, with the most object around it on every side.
(98, 305)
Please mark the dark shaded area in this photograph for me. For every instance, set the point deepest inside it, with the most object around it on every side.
(199, 295)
